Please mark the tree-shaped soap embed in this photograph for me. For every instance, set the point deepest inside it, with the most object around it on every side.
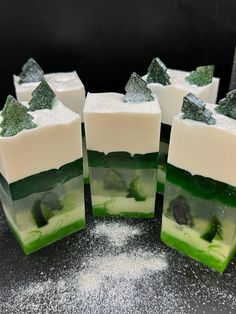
(15, 118)
(31, 72)
(137, 90)
(194, 108)
(157, 73)
(227, 105)
(43, 97)
(201, 76)
(135, 189)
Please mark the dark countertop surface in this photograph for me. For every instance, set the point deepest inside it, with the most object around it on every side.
(46, 282)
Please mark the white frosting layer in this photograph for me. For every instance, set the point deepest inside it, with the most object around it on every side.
(55, 142)
(206, 150)
(171, 96)
(67, 86)
(112, 125)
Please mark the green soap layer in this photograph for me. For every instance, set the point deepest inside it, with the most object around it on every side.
(86, 180)
(199, 186)
(49, 239)
(160, 187)
(161, 173)
(196, 254)
(165, 133)
(122, 160)
(42, 181)
(102, 212)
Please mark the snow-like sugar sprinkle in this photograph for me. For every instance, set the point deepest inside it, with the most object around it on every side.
(119, 266)
(118, 234)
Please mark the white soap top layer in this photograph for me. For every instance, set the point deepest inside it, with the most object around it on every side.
(60, 81)
(67, 86)
(206, 150)
(113, 103)
(112, 125)
(56, 141)
(171, 96)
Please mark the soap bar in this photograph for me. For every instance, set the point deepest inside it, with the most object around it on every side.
(41, 176)
(170, 98)
(66, 85)
(122, 144)
(199, 212)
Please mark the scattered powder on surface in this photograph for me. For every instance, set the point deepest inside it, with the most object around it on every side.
(121, 266)
(118, 234)
(138, 274)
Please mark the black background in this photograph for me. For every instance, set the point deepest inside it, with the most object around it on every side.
(107, 40)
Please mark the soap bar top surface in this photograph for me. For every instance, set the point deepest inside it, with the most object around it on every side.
(171, 96)
(206, 150)
(54, 142)
(60, 81)
(113, 103)
(112, 125)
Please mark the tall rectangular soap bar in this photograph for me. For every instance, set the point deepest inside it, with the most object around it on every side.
(170, 97)
(123, 144)
(66, 85)
(199, 213)
(41, 177)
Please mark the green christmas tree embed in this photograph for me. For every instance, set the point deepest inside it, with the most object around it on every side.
(135, 190)
(214, 230)
(15, 118)
(157, 73)
(137, 90)
(31, 72)
(201, 76)
(194, 108)
(42, 97)
(227, 105)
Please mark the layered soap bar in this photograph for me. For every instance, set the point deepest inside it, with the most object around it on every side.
(122, 134)
(199, 213)
(41, 180)
(66, 85)
(170, 86)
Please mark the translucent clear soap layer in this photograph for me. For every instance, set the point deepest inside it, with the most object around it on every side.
(123, 185)
(163, 154)
(45, 207)
(199, 217)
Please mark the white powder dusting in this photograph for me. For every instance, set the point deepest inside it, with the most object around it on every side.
(119, 266)
(118, 234)
(95, 276)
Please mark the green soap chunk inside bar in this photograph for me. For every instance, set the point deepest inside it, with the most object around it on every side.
(201, 76)
(135, 190)
(113, 180)
(194, 108)
(137, 90)
(157, 73)
(43, 181)
(38, 215)
(31, 72)
(214, 230)
(203, 187)
(122, 160)
(51, 201)
(227, 105)
(42, 97)
(15, 118)
(180, 210)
